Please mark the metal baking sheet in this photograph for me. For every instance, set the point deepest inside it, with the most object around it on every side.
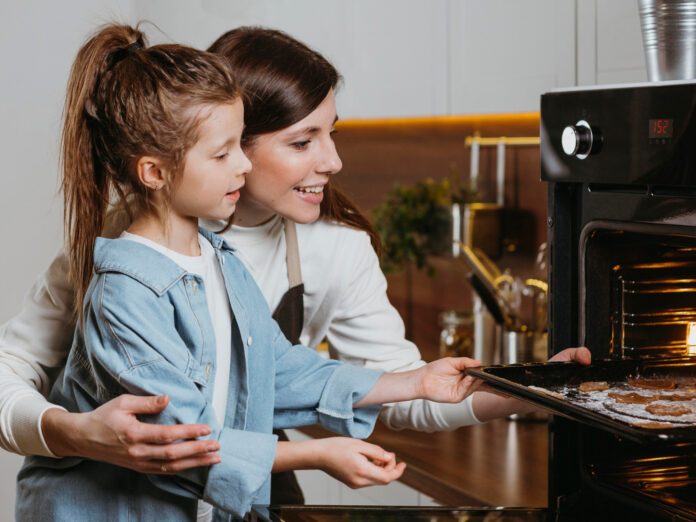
(554, 386)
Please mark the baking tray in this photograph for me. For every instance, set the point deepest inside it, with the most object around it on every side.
(532, 382)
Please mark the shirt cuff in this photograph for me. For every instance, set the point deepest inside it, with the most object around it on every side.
(459, 414)
(26, 415)
(242, 478)
(346, 386)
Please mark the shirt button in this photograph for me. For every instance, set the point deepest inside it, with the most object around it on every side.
(249, 341)
(207, 370)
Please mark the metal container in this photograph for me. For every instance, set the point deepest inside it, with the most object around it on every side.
(669, 38)
(477, 225)
(522, 347)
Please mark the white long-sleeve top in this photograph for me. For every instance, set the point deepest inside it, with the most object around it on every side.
(345, 301)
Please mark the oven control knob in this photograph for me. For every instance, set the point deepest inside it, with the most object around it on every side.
(577, 140)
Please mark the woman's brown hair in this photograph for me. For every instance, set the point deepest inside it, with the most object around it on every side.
(284, 81)
(125, 101)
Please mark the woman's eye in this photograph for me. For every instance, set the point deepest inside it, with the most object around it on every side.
(301, 144)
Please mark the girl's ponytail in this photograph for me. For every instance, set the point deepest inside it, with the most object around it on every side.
(85, 185)
(123, 102)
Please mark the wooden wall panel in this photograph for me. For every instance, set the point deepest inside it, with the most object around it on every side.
(378, 153)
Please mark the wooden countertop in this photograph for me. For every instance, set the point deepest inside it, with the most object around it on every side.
(499, 463)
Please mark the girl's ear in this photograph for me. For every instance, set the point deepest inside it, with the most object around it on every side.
(151, 172)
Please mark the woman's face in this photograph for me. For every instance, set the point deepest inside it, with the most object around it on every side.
(290, 168)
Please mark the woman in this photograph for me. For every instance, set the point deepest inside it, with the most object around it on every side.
(330, 286)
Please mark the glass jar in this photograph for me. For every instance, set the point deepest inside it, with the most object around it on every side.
(457, 334)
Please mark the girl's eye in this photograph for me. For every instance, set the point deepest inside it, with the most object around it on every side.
(333, 132)
(301, 144)
(222, 156)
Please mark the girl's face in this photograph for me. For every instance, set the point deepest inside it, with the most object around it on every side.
(214, 168)
(290, 169)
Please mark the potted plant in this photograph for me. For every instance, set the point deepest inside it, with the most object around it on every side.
(415, 222)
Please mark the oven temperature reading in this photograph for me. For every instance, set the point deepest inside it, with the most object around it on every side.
(660, 128)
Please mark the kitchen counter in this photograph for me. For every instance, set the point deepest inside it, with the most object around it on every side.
(499, 463)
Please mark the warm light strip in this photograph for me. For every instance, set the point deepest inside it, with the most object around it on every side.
(494, 142)
(453, 120)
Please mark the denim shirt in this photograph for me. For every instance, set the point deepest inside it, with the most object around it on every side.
(146, 330)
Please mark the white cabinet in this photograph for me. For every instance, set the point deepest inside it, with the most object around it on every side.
(505, 53)
(392, 53)
(321, 489)
(432, 57)
(609, 42)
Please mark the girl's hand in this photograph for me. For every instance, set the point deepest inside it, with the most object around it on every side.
(357, 463)
(113, 434)
(445, 380)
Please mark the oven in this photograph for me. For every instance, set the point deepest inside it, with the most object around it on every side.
(620, 164)
(621, 170)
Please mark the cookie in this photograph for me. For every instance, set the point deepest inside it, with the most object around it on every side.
(591, 386)
(548, 392)
(652, 384)
(673, 410)
(678, 396)
(633, 398)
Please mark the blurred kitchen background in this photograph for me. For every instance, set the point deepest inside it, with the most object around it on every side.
(421, 76)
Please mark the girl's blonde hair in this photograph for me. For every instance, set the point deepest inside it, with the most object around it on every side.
(125, 101)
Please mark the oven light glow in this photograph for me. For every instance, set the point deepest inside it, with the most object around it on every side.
(691, 339)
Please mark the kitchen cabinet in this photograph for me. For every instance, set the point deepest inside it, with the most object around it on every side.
(435, 57)
(609, 42)
(504, 54)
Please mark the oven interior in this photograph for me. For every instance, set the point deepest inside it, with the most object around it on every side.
(638, 286)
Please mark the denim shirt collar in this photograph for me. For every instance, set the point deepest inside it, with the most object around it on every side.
(151, 268)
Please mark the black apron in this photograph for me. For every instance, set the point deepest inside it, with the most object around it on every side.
(290, 316)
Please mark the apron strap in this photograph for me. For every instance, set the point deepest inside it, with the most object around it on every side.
(292, 254)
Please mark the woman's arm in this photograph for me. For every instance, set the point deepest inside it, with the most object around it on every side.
(33, 347)
(113, 434)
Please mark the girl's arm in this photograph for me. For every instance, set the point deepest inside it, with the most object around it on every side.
(354, 462)
(33, 347)
(365, 329)
(444, 380)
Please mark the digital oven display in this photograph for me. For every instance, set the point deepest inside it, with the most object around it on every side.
(660, 128)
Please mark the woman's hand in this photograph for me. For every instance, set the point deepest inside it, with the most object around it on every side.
(113, 434)
(489, 404)
(445, 380)
(580, 355)
(357, 463)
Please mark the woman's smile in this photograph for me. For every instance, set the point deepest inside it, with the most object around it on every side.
(311, 193)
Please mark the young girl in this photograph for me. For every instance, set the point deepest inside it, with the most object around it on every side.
(169, 309)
